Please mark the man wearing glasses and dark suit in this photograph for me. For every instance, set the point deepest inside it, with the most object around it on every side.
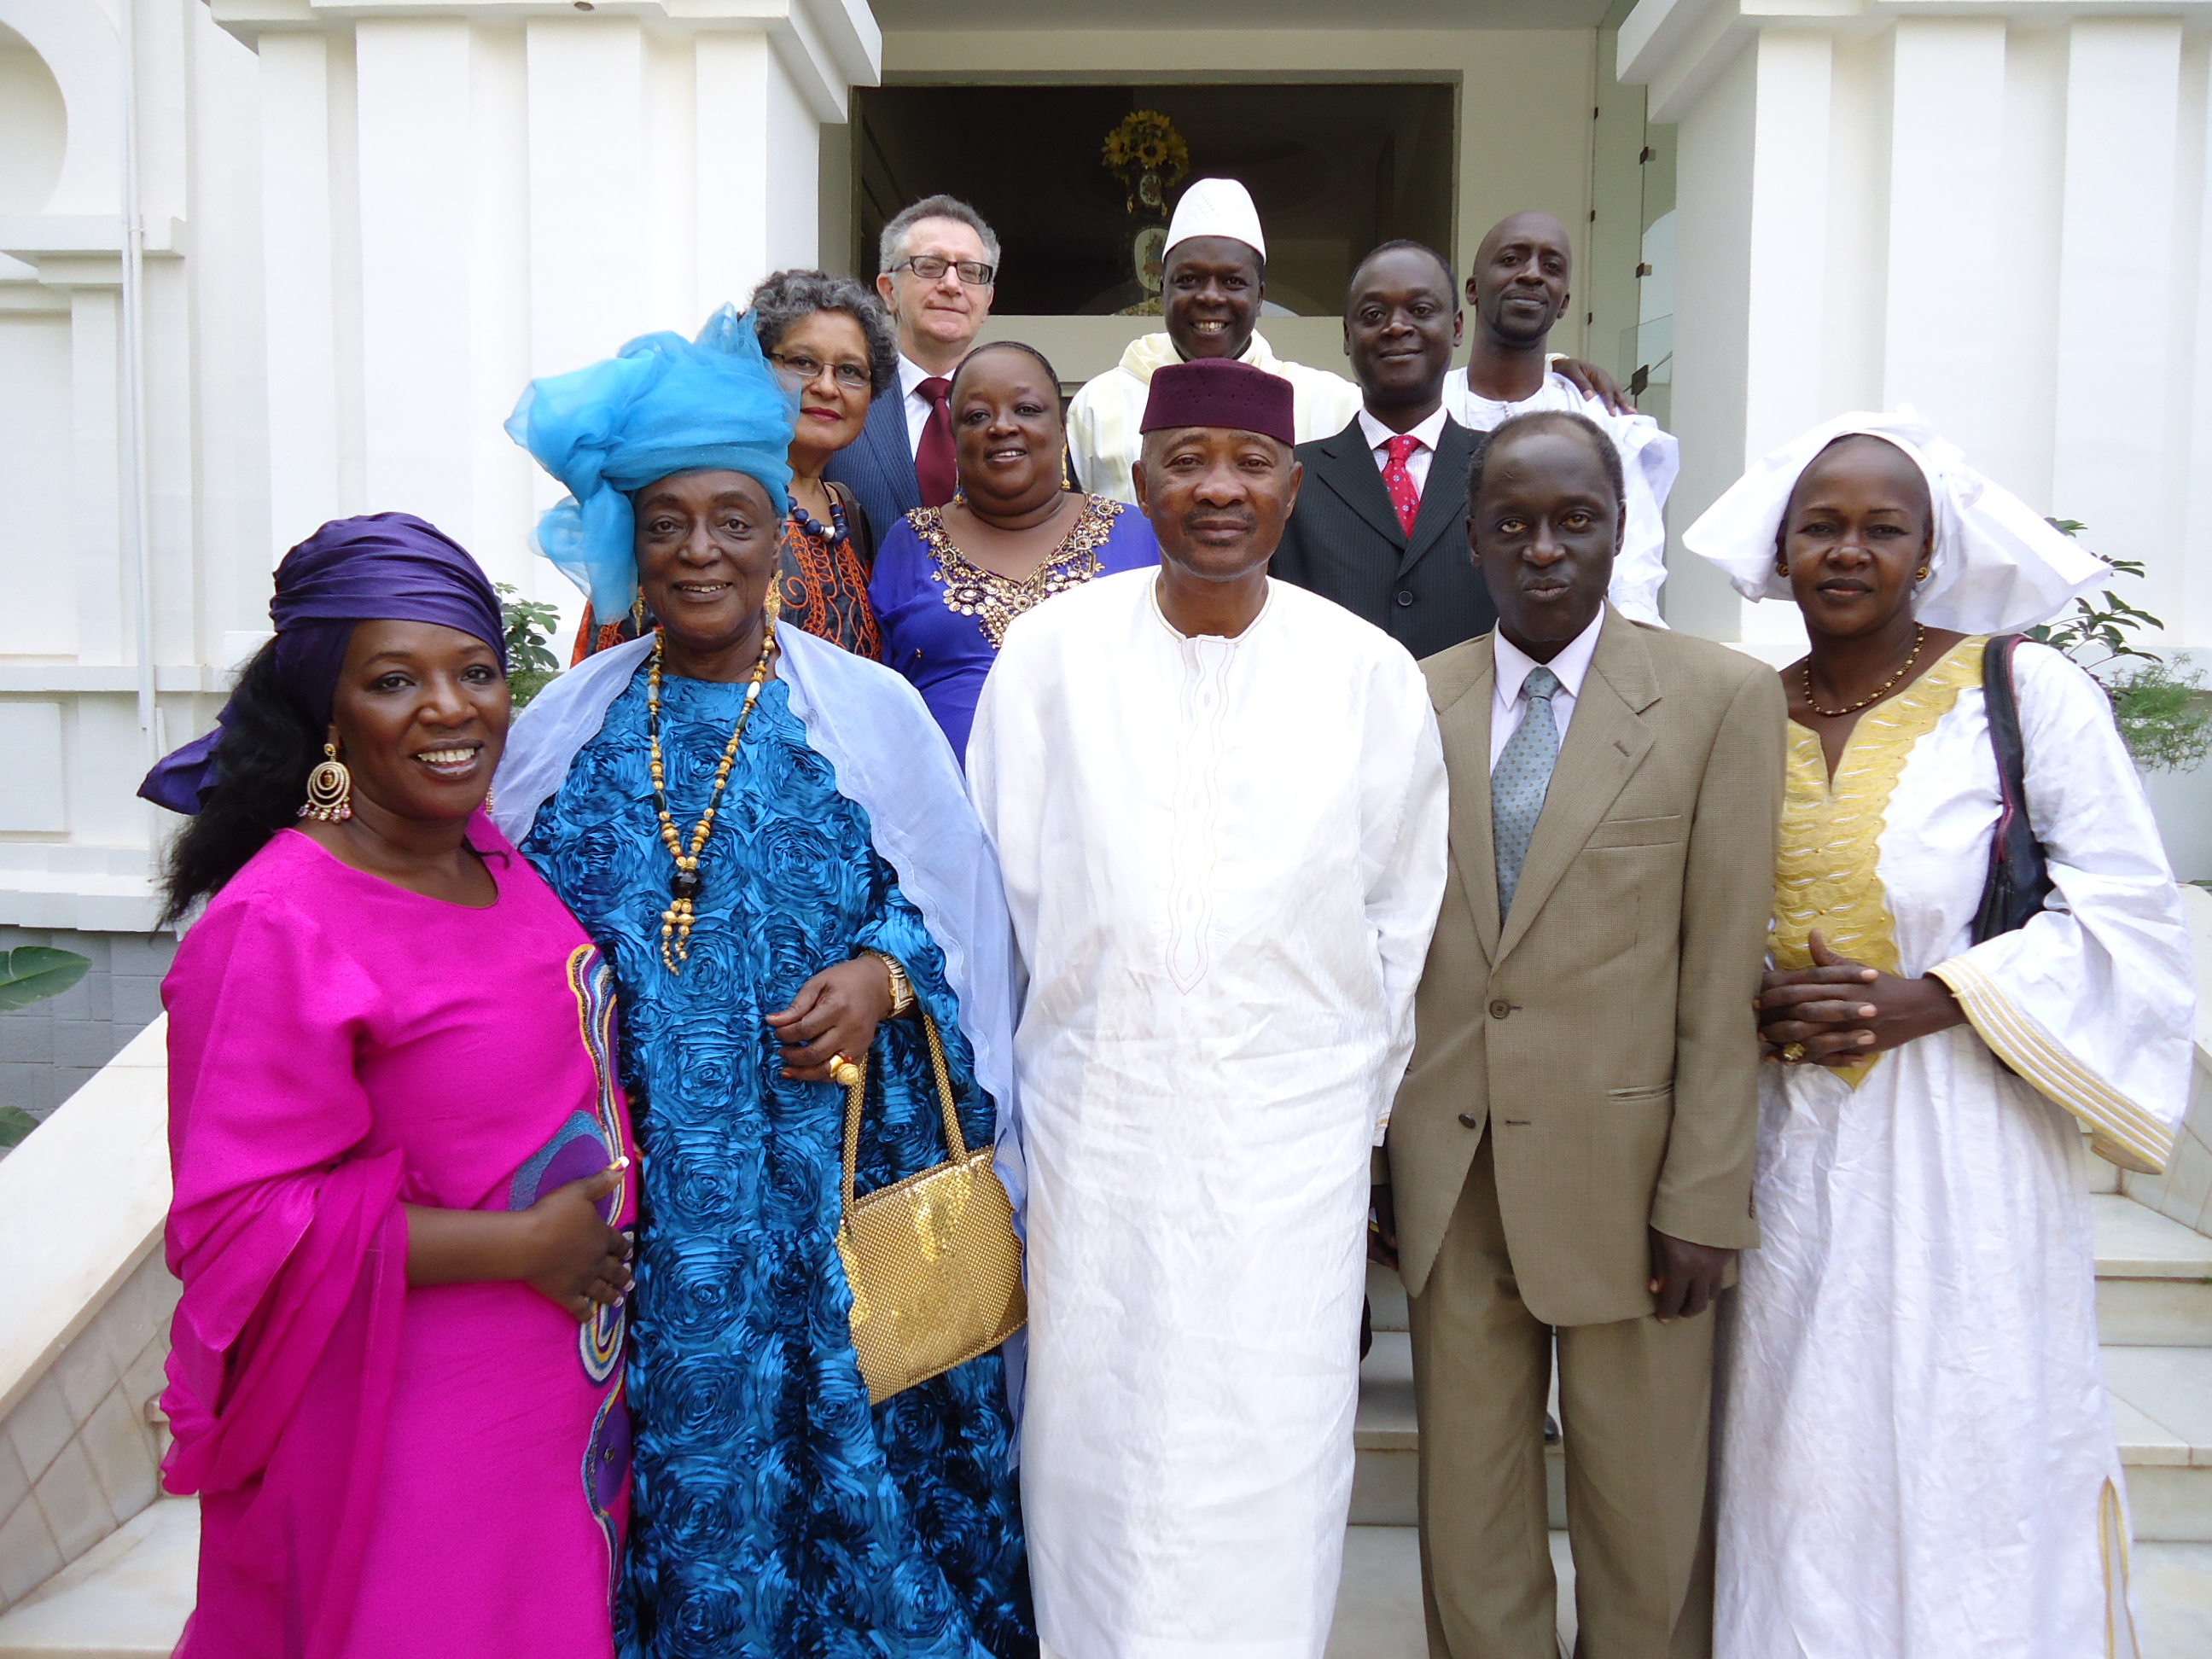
(939, 259)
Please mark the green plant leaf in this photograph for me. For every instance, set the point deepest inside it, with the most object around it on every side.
(32, 973)
(529, 625)
(2163, 719)
(15, 1124)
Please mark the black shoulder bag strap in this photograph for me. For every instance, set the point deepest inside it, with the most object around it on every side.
(857, 526)
(2019, 879)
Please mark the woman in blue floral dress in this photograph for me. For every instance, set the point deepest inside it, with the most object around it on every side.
(837, 886)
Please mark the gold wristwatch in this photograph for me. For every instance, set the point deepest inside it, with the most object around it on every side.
(901, 987)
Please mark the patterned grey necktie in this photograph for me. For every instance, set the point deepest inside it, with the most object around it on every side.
(1517, 783)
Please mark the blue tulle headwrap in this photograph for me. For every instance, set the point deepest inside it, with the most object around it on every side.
(663, 404)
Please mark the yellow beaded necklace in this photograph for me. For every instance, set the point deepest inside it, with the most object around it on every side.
(685, 885)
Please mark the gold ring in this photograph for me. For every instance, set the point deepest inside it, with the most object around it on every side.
(842, 1072)
(1792, 1053)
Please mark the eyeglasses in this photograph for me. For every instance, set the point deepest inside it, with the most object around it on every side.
(796, 369)
(930, 269)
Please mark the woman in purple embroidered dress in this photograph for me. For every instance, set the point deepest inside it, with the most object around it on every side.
(950, 579)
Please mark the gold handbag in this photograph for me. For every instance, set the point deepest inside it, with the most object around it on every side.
(934, 1267)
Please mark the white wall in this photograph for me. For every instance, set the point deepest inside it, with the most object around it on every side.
(362, 238)
(2000, 218)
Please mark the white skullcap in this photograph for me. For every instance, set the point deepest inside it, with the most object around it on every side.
(1998, 566)
(1218, 207)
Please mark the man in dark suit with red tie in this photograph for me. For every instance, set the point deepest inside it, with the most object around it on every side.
(1380, 523)
(939, 262)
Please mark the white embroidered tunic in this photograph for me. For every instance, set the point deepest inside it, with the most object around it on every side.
(1916, 1459)
(1103, 440)
(1224, 859)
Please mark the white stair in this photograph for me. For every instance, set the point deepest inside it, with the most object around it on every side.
(126, 1598)
(2155, 1317)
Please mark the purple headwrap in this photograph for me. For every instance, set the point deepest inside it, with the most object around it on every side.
(384, 566)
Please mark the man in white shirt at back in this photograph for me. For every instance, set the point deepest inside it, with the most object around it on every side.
(1517, 289)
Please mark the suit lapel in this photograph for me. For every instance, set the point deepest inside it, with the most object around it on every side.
(1442, 515)
(1464, 729)
(1347, 466)
(886, 435)
(1605, 742)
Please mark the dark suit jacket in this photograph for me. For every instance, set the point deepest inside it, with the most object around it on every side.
(1343, 542)
(877, 466)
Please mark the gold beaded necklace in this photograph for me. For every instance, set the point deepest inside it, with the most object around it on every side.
(685, 885)
(1919, 637)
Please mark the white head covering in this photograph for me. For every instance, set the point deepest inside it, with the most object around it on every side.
(1998, 566)
(1218, 207)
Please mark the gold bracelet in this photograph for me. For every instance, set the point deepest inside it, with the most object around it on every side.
(901, 987)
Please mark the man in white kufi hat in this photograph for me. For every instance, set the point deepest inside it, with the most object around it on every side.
(1917, 1456)
(1213, 276)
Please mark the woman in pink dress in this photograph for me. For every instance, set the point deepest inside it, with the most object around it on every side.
(400, 1150)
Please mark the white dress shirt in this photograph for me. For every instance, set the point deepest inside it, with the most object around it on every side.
(1417, 464)
(918, 407)
(1514, 666)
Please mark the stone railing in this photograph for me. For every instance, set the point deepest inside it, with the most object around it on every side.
(82, 1203)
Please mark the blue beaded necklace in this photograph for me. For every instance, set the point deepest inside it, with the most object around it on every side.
(837, 535)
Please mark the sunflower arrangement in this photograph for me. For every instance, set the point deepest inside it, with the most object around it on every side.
(1149, 156)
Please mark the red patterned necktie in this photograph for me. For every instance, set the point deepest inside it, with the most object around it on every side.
(1399, 482)
(934, 468)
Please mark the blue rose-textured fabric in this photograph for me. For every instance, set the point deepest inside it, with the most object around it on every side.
(775, 1514)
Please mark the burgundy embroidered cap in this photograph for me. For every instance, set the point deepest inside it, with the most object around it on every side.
(1221, 392)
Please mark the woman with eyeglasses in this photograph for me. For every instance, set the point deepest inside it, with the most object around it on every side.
(830, 343)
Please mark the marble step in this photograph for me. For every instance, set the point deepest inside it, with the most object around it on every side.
(1378, 1609)
(2162, 1413)
(2154, 1276)
(125, 1598)
(2155, 1315)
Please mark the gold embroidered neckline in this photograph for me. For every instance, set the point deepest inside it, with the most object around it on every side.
(995, 600)
(1827, 874)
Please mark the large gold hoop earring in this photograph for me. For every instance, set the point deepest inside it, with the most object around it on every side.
(329, 789)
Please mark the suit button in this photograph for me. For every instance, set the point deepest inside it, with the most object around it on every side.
(1405, 596)
(1470, 1120)
(1500, 1008)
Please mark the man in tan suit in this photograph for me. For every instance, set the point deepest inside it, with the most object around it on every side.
(1570, 1154)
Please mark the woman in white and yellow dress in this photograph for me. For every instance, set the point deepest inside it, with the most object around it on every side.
(1916, 1454)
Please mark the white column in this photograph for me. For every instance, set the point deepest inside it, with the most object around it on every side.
(446, 277)
(1752, 293)
(299, 292)
(103, 626)
(412, 79)
(590, 189)
(1947, 241)
(1712, 298)
(733, 148)
(1787, 319)
(2191, 618)
(2113, 440)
